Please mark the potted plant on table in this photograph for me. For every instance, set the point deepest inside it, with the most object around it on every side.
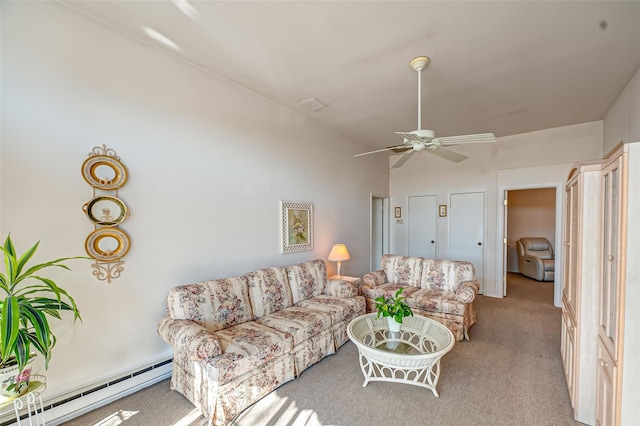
(27, 301)
(394, 309)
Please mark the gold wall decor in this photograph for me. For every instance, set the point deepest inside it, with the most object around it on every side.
(107, 244)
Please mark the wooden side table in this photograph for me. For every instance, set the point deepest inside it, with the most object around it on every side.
(356, 280)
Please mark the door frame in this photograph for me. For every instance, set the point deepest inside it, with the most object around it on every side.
(501, 246)
(384, 230)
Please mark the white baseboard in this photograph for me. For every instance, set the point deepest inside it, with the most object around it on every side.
(72, 406)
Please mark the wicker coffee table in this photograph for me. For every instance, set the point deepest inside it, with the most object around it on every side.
(411, 356)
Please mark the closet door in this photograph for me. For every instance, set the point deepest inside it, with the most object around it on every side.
(422, 226)
(466, 230)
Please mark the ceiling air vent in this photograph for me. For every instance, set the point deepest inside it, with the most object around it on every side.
(312, 104)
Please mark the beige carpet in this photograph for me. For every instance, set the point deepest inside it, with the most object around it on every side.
(510, 373)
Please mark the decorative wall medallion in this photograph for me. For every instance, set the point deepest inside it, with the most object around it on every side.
(104, 172)
(107, 244)
(106, 210)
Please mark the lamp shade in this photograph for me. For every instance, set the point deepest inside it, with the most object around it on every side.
(339, 252)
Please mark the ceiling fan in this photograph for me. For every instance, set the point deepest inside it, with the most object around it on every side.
(425, 139)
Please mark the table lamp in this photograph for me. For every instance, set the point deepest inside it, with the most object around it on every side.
(339, 253)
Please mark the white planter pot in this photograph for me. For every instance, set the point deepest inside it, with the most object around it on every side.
(394, 326)
(14, 383)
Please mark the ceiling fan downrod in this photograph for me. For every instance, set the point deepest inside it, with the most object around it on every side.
(418, 64)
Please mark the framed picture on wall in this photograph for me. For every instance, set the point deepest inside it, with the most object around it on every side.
(442, 210)
(297, 226)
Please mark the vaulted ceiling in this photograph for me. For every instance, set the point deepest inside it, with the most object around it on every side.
(501, 67)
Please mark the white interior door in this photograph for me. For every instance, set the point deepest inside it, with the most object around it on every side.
(466, 230)
(422, 226)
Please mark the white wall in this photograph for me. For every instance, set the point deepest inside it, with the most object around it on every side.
(622, 122)
(208, 164)
(427, 174)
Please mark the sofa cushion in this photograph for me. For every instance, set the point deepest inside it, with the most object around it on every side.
(445, 275)
(246, 347)
(269, 290)
(436, 301)
(339, 308)
(402, 269)
(307, 279)
(301, 323)
(387, 290)
(213, 304)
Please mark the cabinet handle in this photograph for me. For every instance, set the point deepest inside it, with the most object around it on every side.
(432, 242)
(604, 363)
(611, 258)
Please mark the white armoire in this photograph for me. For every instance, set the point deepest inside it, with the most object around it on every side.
(581, 287)
(600, 344)
(618, 347)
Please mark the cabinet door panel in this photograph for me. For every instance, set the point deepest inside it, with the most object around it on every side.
(605, 388)
(610, 293)
(567, 348)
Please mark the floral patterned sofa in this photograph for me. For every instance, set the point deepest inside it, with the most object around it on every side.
(237, 339)
(436, 288)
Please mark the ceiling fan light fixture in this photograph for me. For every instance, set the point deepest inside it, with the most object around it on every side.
(419, 146)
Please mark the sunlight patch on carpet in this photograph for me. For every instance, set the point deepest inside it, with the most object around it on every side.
(188, 419)
(116, 418)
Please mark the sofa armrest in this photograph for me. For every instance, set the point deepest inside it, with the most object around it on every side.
(342, 288)
(467, 291)
(373, 279)
(190, 338)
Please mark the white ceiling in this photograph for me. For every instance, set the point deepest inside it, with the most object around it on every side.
(501, 67)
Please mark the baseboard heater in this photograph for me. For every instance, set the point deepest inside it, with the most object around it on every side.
(67, 407)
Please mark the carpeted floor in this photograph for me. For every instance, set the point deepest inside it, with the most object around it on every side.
(510, 373)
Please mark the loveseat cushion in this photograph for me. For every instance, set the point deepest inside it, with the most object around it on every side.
(307, 279)
(247, 347)
(215, 305)
(339, 308)
(387, 290)
(300, 323)
(269, 290)
(445, 275)
(403, 270)
(436, 301)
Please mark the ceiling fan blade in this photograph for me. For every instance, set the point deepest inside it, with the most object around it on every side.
(410, 136)
(448, 154)
(457, 140)
(403, 159)
(389, 148)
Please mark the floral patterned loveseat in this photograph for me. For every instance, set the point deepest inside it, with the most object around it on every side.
(436, 288)
(237, 339)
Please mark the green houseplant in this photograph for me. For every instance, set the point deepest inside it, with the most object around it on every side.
(27, 301)
(393, 308)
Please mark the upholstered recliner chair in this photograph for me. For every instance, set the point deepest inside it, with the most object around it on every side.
(535, 258)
